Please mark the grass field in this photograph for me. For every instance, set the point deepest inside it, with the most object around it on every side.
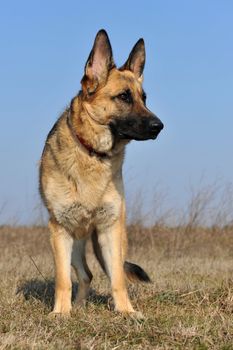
(189, 305)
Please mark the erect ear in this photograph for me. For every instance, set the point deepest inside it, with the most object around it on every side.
(99, 63)
(136, 60)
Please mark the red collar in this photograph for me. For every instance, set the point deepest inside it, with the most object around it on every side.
(90, 149)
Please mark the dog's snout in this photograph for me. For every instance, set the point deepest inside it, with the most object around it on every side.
(156, 125)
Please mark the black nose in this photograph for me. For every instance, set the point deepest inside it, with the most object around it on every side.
(156, 125)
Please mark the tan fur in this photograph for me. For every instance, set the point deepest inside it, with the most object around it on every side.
(84, 192)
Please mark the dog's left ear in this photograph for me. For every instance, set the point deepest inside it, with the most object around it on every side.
(99, 63)
(136, 60)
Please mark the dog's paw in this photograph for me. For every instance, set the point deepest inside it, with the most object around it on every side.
(134, 315)
(110, 304)
(80, 304)
(58, 315)
(137, 316)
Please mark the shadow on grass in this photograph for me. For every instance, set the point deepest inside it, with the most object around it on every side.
(44, 291)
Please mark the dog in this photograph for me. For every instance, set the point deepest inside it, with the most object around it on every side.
(81, 174)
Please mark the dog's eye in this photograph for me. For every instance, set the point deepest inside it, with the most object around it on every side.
(126, 96)
(144, 97)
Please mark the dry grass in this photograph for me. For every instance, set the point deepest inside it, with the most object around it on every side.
(188, 306)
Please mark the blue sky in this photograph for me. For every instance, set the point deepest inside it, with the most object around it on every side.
(188, 80)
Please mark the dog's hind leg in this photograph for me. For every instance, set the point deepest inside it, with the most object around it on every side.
(61, 243)
(81, 268)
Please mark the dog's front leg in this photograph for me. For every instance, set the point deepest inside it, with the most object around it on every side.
(110, 240)
(61, 243)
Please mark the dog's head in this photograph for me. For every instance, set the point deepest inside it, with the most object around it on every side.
(115, 97)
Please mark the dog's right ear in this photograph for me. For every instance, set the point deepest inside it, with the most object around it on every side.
(99, 63)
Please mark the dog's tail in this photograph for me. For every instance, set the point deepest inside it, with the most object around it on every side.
(134, 273)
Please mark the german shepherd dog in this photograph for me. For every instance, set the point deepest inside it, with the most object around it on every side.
(81, 173)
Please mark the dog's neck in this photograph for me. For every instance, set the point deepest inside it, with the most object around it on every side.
(89, 148)
(96, 138)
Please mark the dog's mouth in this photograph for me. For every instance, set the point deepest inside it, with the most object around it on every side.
(136, 128)
(136, 136)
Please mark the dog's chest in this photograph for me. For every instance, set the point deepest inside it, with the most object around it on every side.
(80, 221)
